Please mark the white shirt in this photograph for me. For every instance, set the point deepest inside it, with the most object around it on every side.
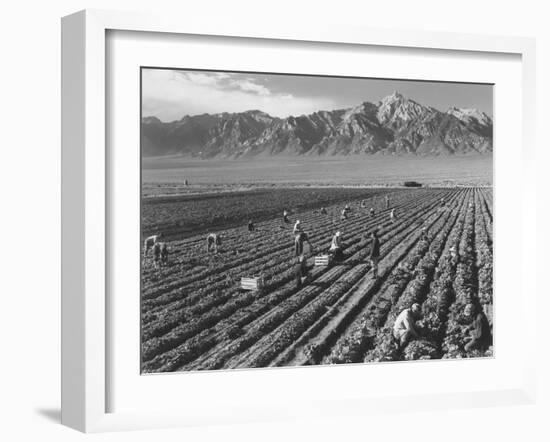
(151, 240)
(404, 321)
(336, 242)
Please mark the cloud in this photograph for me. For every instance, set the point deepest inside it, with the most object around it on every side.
(249, 85)
(169, 95)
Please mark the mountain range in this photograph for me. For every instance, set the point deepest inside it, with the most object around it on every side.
(393, 126)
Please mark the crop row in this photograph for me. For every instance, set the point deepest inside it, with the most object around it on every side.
(280, 267)
(319, 339)
(273, 298)
(441, 295)
(278, 325)
(417, 291)
(185, 215)
(465, 285)
(354, 343)
(194, 263)
(260, 250)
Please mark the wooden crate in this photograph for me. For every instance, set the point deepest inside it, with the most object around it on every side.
(253, 283)
(323, 260)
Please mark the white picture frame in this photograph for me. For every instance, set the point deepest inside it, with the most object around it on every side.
(85, 203)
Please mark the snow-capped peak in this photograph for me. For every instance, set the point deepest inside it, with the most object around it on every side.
(467, 114)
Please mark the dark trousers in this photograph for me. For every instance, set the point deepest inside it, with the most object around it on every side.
(337, 254)
(472, 344)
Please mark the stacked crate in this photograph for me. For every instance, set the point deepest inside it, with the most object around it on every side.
(323, 260)
(255, 283)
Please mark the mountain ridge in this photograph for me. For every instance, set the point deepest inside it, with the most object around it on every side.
(394, 125)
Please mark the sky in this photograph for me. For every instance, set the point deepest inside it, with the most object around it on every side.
(170, 94)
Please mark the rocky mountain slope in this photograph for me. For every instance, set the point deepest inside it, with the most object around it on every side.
(395, 125)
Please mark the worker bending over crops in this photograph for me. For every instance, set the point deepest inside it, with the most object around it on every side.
(150, 242)
(301, 272)
(323, 211)
(371, 211)
(374, 255)
(336, 247)
(251, 226)
(344, 214)
(213, 241)
(404, 326)
(479, 329)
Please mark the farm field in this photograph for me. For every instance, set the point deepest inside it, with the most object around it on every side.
(184, 215)
(194, 316)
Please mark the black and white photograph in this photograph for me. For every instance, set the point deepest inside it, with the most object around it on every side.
(291, 220)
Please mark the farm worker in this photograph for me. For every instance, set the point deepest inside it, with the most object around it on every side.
(163, 253)
(347, 209)
(336, 246)
(301, 271)
(362, 204)
(251, 227)
(297, 228)
(371, 211)
(213, 241)
(392, 215)
(156, 254)
(479, 329)
(374, 253)
(343, 216)
(150, 242)
(403, 328)
(285, 217)
(424, 235)
(442, 202)
(387, 202)
(454, 255)
(299, 241)
(323, 211)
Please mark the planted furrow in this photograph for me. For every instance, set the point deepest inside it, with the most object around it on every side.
(234, 235)
(316, 342)
(250, 250)
(466, 291)
(436, 306)
(416, 291)
(232, 239)
(359, 336)
(264, 258)
(184, 354)
(279, 265)
(254, 354)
